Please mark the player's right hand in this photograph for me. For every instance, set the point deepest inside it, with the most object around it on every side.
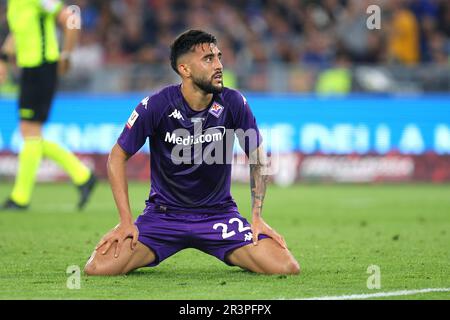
(121, 232)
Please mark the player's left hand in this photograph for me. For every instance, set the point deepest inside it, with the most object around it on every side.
(260, 226)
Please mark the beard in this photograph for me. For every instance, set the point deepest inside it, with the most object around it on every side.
(207, 85)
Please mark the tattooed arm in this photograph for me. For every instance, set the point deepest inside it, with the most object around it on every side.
(259, 177)
(258, 180)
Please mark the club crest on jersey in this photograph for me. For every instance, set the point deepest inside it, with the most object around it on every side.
(132, 119)
(216, 110)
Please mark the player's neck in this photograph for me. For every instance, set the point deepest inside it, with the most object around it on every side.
(198, 100)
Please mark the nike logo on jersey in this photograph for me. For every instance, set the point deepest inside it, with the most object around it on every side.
(176, 114)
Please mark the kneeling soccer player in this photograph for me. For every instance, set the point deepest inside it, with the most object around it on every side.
(190, 204)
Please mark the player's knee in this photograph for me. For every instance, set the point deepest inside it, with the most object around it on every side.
(30, 129)
(94, 268)
(289, 267)
(90, 269)
(292, 267)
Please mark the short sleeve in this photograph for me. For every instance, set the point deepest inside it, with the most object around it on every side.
(51, 6)
(139, 127)
(246, 128)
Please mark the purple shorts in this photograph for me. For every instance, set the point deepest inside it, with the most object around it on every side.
(215, 234)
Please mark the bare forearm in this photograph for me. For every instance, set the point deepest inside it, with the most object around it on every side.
(70, 40)
(69, 22)
(119, 185)
(258, 180)
(8, 47)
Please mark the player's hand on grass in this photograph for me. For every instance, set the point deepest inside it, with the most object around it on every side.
(259, 226)
(121, 232)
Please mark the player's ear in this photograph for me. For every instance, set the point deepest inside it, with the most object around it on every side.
(184, 70)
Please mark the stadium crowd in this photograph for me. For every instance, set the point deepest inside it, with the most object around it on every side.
(259, 34)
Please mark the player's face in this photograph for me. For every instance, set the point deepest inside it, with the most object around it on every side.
(207, 70)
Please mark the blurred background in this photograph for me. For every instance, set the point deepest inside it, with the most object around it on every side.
(268, 45)
(338, 101)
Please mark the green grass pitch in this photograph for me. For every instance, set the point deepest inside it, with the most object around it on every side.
(335, 232)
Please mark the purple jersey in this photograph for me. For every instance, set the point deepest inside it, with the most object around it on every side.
(190, 151)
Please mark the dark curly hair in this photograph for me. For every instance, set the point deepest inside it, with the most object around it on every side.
(185, 43)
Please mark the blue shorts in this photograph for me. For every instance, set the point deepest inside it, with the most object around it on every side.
(215, 234)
